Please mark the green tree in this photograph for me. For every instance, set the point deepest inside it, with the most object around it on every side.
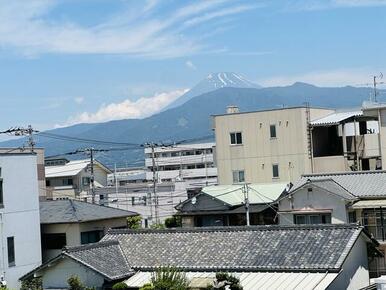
(147, 286)
(32, 284)
(173, 222)
(134, 222)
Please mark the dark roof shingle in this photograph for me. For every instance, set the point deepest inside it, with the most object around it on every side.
(255, 248)
(73, 211)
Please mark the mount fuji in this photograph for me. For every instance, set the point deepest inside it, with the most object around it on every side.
(213, 82)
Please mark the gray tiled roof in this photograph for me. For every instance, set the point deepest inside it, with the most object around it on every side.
(72, 211)
(327, 184)
(105, 258)
(296, 248)
(360, 183)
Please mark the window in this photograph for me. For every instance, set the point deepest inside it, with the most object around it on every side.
(67, 181)
(236, 138)
(312, 219)
(238, 176)
(11, 251)
(1, 194)
(272, 130)
(54, 241)
(275, 170)
(90, 237)
(86, 181)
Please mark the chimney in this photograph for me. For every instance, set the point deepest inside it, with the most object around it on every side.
(232, 109)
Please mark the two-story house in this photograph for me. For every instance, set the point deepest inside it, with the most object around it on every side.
(70, 179)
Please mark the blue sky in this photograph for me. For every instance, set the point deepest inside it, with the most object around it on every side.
(68, 61)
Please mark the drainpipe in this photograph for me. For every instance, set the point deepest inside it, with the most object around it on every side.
(382, 229)
(2, 245)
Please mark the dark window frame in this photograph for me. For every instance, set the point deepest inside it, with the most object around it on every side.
(11, 251)
(272, 131)
(236, 138)
(275, 170)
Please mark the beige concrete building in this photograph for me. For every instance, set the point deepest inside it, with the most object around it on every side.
(264, 146)
(282, 144)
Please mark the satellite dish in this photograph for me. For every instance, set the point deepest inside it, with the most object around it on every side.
(194, 200)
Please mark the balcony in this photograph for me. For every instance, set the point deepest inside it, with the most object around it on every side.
(189, 159)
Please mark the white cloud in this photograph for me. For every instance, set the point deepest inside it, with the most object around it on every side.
(312, 5)
(128, 109)
(79, 100)
(27, 27)
(337, 77)
(190, 65)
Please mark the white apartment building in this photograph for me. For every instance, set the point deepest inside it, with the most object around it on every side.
(140, 198)
(192, 164)
(20, 247)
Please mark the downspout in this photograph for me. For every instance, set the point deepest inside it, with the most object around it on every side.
(382, 229)
(379, 136)
(2, 245)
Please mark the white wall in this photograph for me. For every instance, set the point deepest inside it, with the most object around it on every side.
(355, 274)
(55, 277)
(20, 215)
(317, 199)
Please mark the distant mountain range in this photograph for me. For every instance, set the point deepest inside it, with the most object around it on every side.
(192, 119)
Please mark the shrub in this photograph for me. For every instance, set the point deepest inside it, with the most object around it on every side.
(223, 280)
(74, 283)
(168, 278)
(120, 286)
(173, 222)
(134, 222)
(32, 284)
(147, 286)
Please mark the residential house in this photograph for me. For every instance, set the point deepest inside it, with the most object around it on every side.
(19, 215)
(192, 164)
(141, 198)
(225, 205)
(72, 179)
(346, 197)
(73, 223)
(282, 144)
(262, 257)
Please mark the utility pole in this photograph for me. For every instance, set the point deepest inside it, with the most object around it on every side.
(246, 202)
(91, 150)
(20, 131)
(154, 183)
(375, 83)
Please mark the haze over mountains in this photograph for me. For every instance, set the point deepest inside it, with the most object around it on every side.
(189, 117)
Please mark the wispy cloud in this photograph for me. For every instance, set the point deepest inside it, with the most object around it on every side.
(127, 109)
(79, 100)
(313, 5)
(27, 27)
(190, 65)
(336, 77)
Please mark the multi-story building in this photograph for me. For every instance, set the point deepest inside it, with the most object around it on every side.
(20, 248)
(141, 198)
(282, 144)
(123, 176)
(72, 179)
(192, 164)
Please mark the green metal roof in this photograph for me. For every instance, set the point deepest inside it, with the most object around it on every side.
(257, 193)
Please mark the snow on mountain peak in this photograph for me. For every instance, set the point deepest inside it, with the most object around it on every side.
(213, 82)
(228, 79)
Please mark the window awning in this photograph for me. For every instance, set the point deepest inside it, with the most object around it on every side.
(335, 118)
(252, 280)
(370, 203)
